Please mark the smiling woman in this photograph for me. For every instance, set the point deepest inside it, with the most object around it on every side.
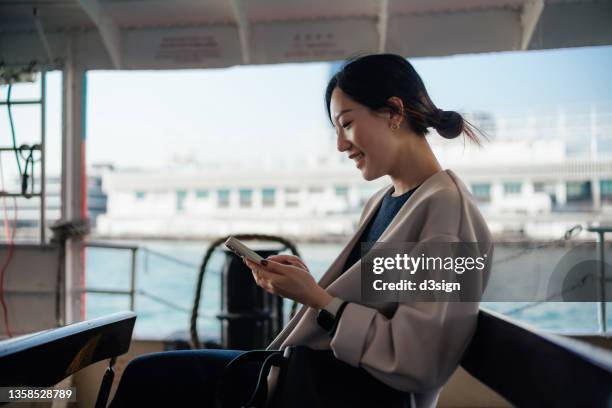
(389, 83)
(381, 111)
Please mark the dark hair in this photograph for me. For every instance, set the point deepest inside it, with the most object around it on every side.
(372, 79)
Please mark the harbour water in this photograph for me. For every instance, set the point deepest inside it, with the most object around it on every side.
(166, 273)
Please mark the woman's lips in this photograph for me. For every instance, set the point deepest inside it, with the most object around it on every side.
(359, 159)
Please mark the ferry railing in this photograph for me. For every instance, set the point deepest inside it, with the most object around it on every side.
(132, 291)
(568, 235)
(600, 274)
(47, 357)
(601, 234)
(536, 368)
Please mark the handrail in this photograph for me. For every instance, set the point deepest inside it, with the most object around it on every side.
(45, 358)
(531, 368)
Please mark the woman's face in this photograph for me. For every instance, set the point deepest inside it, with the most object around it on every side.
(364, 135)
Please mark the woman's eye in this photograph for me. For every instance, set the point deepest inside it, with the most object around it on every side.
(346, 125)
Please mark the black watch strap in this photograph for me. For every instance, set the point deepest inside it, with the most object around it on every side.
(328, 321)
(325, 320)
(337, 319)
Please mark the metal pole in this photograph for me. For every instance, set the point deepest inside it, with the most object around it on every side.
(43, 120)
(73, 178)
(602, 284)
(601, 311)
(12, 149)
(107, 383)
(133, 280)
(23, 102)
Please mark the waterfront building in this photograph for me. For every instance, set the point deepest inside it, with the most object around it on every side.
(527, 185)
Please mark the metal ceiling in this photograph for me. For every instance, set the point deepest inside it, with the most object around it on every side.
(176, 34)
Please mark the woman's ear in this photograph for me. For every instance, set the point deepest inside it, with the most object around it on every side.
(396, 115)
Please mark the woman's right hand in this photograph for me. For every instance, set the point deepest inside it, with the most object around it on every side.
(289, 260)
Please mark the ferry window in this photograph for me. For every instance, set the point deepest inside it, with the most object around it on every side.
(181, 195)
(94, 182)
(538, 187)
(292, 197)
(482, 192)
(342, 191)
(315, 190)
(223, 198)
(605, 187)
(578, 190)
(268, 197)
(544, 133)
(246, 197)
(547, 187)
(512, 188)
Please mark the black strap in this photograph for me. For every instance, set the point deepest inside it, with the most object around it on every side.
(246, 357)
(227, 378)
(337, 318)
(258, 397)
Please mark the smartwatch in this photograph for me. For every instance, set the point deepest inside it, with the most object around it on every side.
(329, 316)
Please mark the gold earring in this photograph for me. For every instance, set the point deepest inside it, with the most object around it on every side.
(394, 126)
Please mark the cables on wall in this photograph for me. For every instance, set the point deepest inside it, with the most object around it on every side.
(10, 237)
(26, 172)
(25, 151)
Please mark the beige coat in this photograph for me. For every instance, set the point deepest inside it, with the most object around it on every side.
(412, 346)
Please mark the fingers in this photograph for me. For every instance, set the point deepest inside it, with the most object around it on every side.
(254, 271)
(255, 276)
(266, 272)
(267, 266)
(267, 286)
(288, 259)
(270, 266)
(264, 278)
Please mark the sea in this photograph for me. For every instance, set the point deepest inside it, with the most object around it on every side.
(167, 270)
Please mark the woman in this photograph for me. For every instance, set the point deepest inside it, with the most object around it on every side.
(381, 111)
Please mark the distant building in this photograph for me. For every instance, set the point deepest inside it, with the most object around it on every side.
(520, 186)
(28, 209)
(533, 178)
(312, 202)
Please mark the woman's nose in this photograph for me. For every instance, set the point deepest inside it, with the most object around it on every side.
(342, 143)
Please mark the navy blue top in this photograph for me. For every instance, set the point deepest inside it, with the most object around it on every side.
(386, 212)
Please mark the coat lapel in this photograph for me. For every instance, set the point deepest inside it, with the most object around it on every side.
(335, 268)
(335, 271)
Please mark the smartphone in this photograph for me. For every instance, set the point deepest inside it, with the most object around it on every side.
(241, 249)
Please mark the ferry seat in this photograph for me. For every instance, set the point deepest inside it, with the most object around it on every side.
(530, 367)
(45, 358)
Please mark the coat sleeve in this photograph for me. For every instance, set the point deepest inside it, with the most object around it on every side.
(416, 349)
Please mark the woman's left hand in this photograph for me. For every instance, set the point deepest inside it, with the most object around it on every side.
(289, 281)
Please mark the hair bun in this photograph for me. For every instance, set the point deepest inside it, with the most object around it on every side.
(436, 117)
(449, 124)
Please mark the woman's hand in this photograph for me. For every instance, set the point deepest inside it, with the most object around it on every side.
(288, 276)
(288, 260)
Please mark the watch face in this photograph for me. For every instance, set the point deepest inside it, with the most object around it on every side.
(325, 319)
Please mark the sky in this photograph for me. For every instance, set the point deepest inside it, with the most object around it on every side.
(274, 114)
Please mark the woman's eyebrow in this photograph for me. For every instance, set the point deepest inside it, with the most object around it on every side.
(341, 113)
